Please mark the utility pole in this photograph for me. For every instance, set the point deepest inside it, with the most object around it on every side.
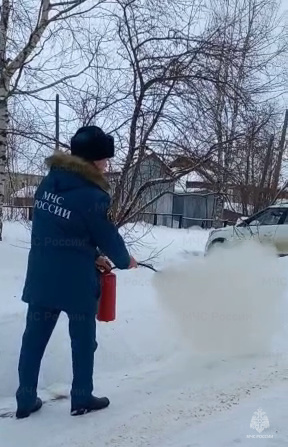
(264, 182)
(57, 133)
(279, 162)
(280, 154)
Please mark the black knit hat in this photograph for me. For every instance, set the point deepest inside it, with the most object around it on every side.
(91, 144)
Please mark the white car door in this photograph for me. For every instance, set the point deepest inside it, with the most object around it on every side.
(245, 231)
(262, 226)
(281, 235)
(267, 223)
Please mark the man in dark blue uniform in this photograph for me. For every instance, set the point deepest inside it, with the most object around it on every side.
(70, 226)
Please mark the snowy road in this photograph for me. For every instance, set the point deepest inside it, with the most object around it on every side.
(152, 409)
(162, 393)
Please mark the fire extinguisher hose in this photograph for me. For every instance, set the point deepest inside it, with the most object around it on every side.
(143, 264)
(148, 266)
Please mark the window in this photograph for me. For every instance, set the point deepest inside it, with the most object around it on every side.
(271, 216)
(285, 222)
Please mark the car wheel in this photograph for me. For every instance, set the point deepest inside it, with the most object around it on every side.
(215, 244)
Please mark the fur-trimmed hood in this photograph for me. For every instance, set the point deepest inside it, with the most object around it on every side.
(71, 163)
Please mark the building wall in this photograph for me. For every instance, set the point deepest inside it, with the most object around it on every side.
(198, 206)
(17, 181)
(194, 206)
(164, 205)
(185, 210)
(152, 168)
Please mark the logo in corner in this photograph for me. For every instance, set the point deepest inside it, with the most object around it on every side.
(259, 421)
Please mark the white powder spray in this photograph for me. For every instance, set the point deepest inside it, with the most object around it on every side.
(228, 302)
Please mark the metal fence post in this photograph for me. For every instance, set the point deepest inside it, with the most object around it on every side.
(155, 219)
(30, 213)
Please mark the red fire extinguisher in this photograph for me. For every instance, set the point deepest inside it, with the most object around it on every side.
(107, 301)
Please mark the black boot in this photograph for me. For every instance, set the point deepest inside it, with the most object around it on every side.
(94, 404)
(24, 413)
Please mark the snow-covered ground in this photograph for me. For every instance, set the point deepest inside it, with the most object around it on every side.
(195, 351)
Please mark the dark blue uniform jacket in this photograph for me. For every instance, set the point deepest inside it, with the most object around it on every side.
(70, 224)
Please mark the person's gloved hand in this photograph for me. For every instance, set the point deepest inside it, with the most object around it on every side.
(133, 263)
(103, 264)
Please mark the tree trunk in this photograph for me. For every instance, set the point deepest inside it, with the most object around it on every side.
(218, 210)
(3, 149)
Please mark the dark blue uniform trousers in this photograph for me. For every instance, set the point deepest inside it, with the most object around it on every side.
(40, 323)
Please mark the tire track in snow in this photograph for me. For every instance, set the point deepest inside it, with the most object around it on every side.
(185, 407)
(148, 407)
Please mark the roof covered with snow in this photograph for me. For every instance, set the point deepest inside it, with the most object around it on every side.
(180, 185)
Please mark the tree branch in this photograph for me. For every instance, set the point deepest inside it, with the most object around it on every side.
(34, 39)
(53, 84)
(42, 24)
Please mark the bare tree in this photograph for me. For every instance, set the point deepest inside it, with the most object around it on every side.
(238, 111)
(253, 168)
(169, 80)
(160, 53)
(32, 53)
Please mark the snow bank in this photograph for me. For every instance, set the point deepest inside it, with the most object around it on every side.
(162, 245)
(229, 302)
